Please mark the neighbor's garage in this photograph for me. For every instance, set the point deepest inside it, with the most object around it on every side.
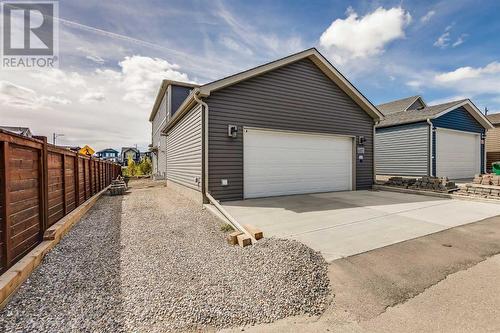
(284, 163)
(458, 153)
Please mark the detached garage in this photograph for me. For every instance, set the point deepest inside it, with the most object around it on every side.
(292, 126)
(445, 140)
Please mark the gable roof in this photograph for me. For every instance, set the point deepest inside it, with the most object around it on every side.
(432, 112)
(25, 131)
(399, 105)
(163, 89)
(108, 149)
(494, 118)
(312, 54)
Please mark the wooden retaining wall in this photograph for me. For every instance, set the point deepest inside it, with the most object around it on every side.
(39, 184)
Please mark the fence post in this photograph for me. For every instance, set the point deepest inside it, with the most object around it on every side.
(65, 204)
(6, 205)
(85, 177)
(44, 193)
(76, 167)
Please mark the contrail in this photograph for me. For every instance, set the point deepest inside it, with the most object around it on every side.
(198, 63)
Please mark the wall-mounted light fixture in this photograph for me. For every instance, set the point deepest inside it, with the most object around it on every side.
(232, 131)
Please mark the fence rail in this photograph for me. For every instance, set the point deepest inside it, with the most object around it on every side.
(39, 184)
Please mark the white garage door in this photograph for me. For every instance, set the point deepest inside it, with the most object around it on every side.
(282, 163)
(458, 154)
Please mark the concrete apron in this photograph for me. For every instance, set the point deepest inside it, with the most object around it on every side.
(342, 224)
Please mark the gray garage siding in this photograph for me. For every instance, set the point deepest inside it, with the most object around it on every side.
(184, 158)
(402, 150)
(294, 97)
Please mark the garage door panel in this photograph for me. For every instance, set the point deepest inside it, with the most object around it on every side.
(457, 153)
(281, 163)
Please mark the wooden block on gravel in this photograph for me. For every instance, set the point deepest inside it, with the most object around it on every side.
(232, 238)
(244, 240)
(254, 231)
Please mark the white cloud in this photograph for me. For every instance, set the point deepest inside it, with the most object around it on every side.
(471, 81)
(93, 96)
(141, 77)
(96, 59)
(54, 100)
(428, 16)
(17, 96)
(446, 99)
(463, 73)
(231, 44)
(246, 33)
(122, 96)
(460, 40)
(57, 77)
(443, 40)
(14, 95)
(359, 37)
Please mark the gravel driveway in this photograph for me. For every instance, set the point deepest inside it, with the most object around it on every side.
(154, 261)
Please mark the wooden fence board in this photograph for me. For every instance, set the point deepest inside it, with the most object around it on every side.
(40, 184)
(3, 177)
(23, 209)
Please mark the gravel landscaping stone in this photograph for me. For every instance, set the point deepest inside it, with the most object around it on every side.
(153, 261)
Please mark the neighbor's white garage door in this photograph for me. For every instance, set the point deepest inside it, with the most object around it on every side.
(458, 154)
(282, 163)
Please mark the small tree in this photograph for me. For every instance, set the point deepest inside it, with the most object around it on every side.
(145, 166)
(131, 167)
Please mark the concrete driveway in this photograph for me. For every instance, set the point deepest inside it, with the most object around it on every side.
(341, 224)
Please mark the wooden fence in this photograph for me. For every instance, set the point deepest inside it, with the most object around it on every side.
(39, 184)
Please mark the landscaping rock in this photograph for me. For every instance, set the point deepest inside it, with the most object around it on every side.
(153, 261)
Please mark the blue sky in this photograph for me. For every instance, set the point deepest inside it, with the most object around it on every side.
(113, 55)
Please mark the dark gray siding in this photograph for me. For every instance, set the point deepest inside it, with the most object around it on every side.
(184, 150)
(295, 97)
(178, 96)
(402, 150)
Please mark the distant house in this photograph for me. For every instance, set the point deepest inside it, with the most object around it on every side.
(130, 152)
(24, 131)
(145, 154)
(493, 141)
(75, 149)
(108, 154)
(415, 139)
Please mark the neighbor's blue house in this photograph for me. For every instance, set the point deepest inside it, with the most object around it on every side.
(445, 140)
(108, 154)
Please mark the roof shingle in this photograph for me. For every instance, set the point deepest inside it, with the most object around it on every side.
(412, 116)
(397, 106)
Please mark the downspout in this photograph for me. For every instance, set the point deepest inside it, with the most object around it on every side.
(205, 141)
(374, 151)
(484, 169)
(431, 138)
(205, 191)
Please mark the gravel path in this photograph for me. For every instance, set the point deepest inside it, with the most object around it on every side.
(153, 261)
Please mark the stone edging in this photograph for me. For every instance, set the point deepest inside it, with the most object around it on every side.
(433, 194)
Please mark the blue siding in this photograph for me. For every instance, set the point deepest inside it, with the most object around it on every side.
(461, 120)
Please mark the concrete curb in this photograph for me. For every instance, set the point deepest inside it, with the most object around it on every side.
(12, 279)
(433, 194)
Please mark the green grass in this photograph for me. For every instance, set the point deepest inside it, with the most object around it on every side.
(226, 227)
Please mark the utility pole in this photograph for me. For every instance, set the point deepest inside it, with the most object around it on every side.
(55, 136)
